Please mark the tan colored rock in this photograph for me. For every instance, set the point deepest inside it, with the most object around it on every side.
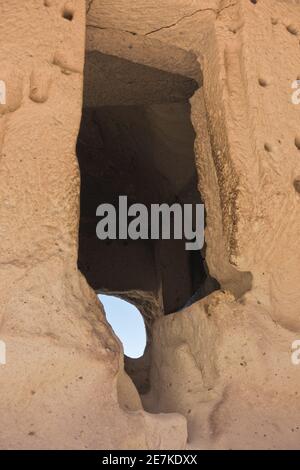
(60, 351)
(220, 372)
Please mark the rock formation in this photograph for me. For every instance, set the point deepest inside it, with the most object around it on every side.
(148, 80)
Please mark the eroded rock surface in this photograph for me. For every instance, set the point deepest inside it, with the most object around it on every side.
(219, 372)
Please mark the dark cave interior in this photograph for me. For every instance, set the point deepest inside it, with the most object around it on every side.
(137, 139)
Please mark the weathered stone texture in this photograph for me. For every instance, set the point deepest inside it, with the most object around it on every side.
(220, 371)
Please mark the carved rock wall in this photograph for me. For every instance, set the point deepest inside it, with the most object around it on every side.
(221, 374)
(64, 372)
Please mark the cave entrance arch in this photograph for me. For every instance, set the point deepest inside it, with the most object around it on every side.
(136, 139)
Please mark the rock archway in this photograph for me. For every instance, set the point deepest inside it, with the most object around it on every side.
(218, 364)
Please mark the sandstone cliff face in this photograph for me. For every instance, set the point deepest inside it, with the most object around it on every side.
(220, 371)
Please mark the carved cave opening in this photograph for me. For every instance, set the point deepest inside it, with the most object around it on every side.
(137, 139)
